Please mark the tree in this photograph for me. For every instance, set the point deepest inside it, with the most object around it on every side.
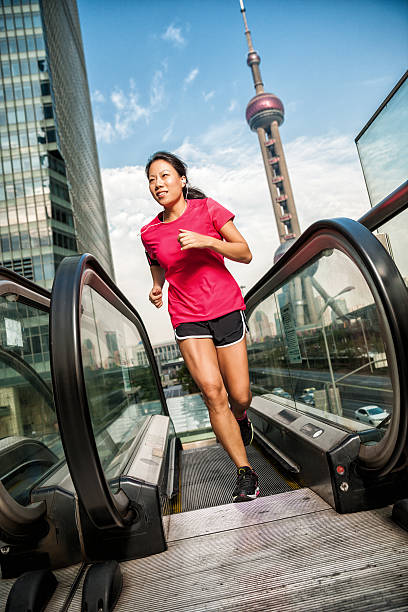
(185, 379)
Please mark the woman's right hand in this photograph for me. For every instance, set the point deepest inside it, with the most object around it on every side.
(156, 296)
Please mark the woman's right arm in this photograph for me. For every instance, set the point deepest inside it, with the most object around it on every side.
(156, 295)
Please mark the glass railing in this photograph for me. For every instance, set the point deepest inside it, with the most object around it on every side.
(329, 337)
(30, 444)
(108, 376)
(121, 394)
(316, 345)
(382, 145)
(395, 232)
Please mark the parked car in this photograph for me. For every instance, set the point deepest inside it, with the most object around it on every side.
(281, 392)
(370, 414)
(307, 398)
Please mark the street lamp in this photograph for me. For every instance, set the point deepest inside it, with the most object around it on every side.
(320, 316)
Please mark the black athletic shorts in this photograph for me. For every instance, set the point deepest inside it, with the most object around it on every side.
(224, 331)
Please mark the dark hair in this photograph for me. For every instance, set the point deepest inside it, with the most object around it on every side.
(181, 168)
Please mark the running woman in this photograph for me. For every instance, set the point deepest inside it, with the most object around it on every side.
(185, 245)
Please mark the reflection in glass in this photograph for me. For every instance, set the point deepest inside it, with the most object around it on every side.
(121, 394)
(30, 443)
(316, 345)
(382, 147)
(396, 234)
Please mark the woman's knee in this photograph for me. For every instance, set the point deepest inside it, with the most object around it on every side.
(241, 398)
(214, 394)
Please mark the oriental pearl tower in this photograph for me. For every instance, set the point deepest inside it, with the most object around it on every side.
(264, 114)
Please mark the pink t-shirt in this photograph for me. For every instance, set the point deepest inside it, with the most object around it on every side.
(200, 286)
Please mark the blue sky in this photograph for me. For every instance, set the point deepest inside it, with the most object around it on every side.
(173, 75)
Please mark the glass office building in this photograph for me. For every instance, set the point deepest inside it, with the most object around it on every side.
(51, 199)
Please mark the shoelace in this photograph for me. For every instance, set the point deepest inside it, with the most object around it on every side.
(245, 478)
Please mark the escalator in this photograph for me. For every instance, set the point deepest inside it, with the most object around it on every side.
(328, 338)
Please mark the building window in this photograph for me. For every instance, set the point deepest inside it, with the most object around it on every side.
(5, 244)
(45, 88)
(20, 266)
(59, 189)
(5, 69)
(51, 135)
(21, 44)
(40, 43)
(64, 241)
(47, 108)
(63, 216)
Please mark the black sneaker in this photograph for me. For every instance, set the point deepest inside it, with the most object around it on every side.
(247, 431)
(247, 485)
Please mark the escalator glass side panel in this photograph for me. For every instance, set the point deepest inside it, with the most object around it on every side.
(384, 172)
(316, 345)
(394, 234)
(30, 444)
(105, 397)
(121, 389)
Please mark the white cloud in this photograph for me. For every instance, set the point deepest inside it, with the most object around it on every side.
(326, 180)
(168, 132)
(174, 35)
(208, 96)
(232, 106)
(104, 130)
(128, 109)
(97, 96)
(191, 76)
(157, 93)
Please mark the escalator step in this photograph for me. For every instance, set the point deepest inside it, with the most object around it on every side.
(208, 477)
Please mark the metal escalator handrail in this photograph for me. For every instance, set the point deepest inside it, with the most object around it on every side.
(390, 295)
(388, 208)
(104, 508)
(5, 273)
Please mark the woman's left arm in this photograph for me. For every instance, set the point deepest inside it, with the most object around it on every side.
(234, 245)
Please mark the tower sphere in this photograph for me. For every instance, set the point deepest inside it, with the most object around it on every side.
(263, 109)
(253, 58)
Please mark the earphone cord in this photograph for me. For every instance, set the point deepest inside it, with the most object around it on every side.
(161, 222)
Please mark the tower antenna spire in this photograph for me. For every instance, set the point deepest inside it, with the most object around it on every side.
(253, 59)
(265, 113)
(247, 31)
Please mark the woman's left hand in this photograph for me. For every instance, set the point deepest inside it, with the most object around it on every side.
(192, 240)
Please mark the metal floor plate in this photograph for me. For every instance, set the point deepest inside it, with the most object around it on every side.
(208, 477)
(285, 553)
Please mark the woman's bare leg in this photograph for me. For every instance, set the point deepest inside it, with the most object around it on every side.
(233, 362)
(200, 356)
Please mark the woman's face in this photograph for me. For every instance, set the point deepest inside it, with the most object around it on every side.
(165, 183)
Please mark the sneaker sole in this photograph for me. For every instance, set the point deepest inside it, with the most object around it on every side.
(244, 498)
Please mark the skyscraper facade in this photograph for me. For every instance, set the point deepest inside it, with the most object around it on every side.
(264, 114)
(51, 199)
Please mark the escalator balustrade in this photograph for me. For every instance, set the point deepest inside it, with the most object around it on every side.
(327, 355)
(117, 424)
(30, 445)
